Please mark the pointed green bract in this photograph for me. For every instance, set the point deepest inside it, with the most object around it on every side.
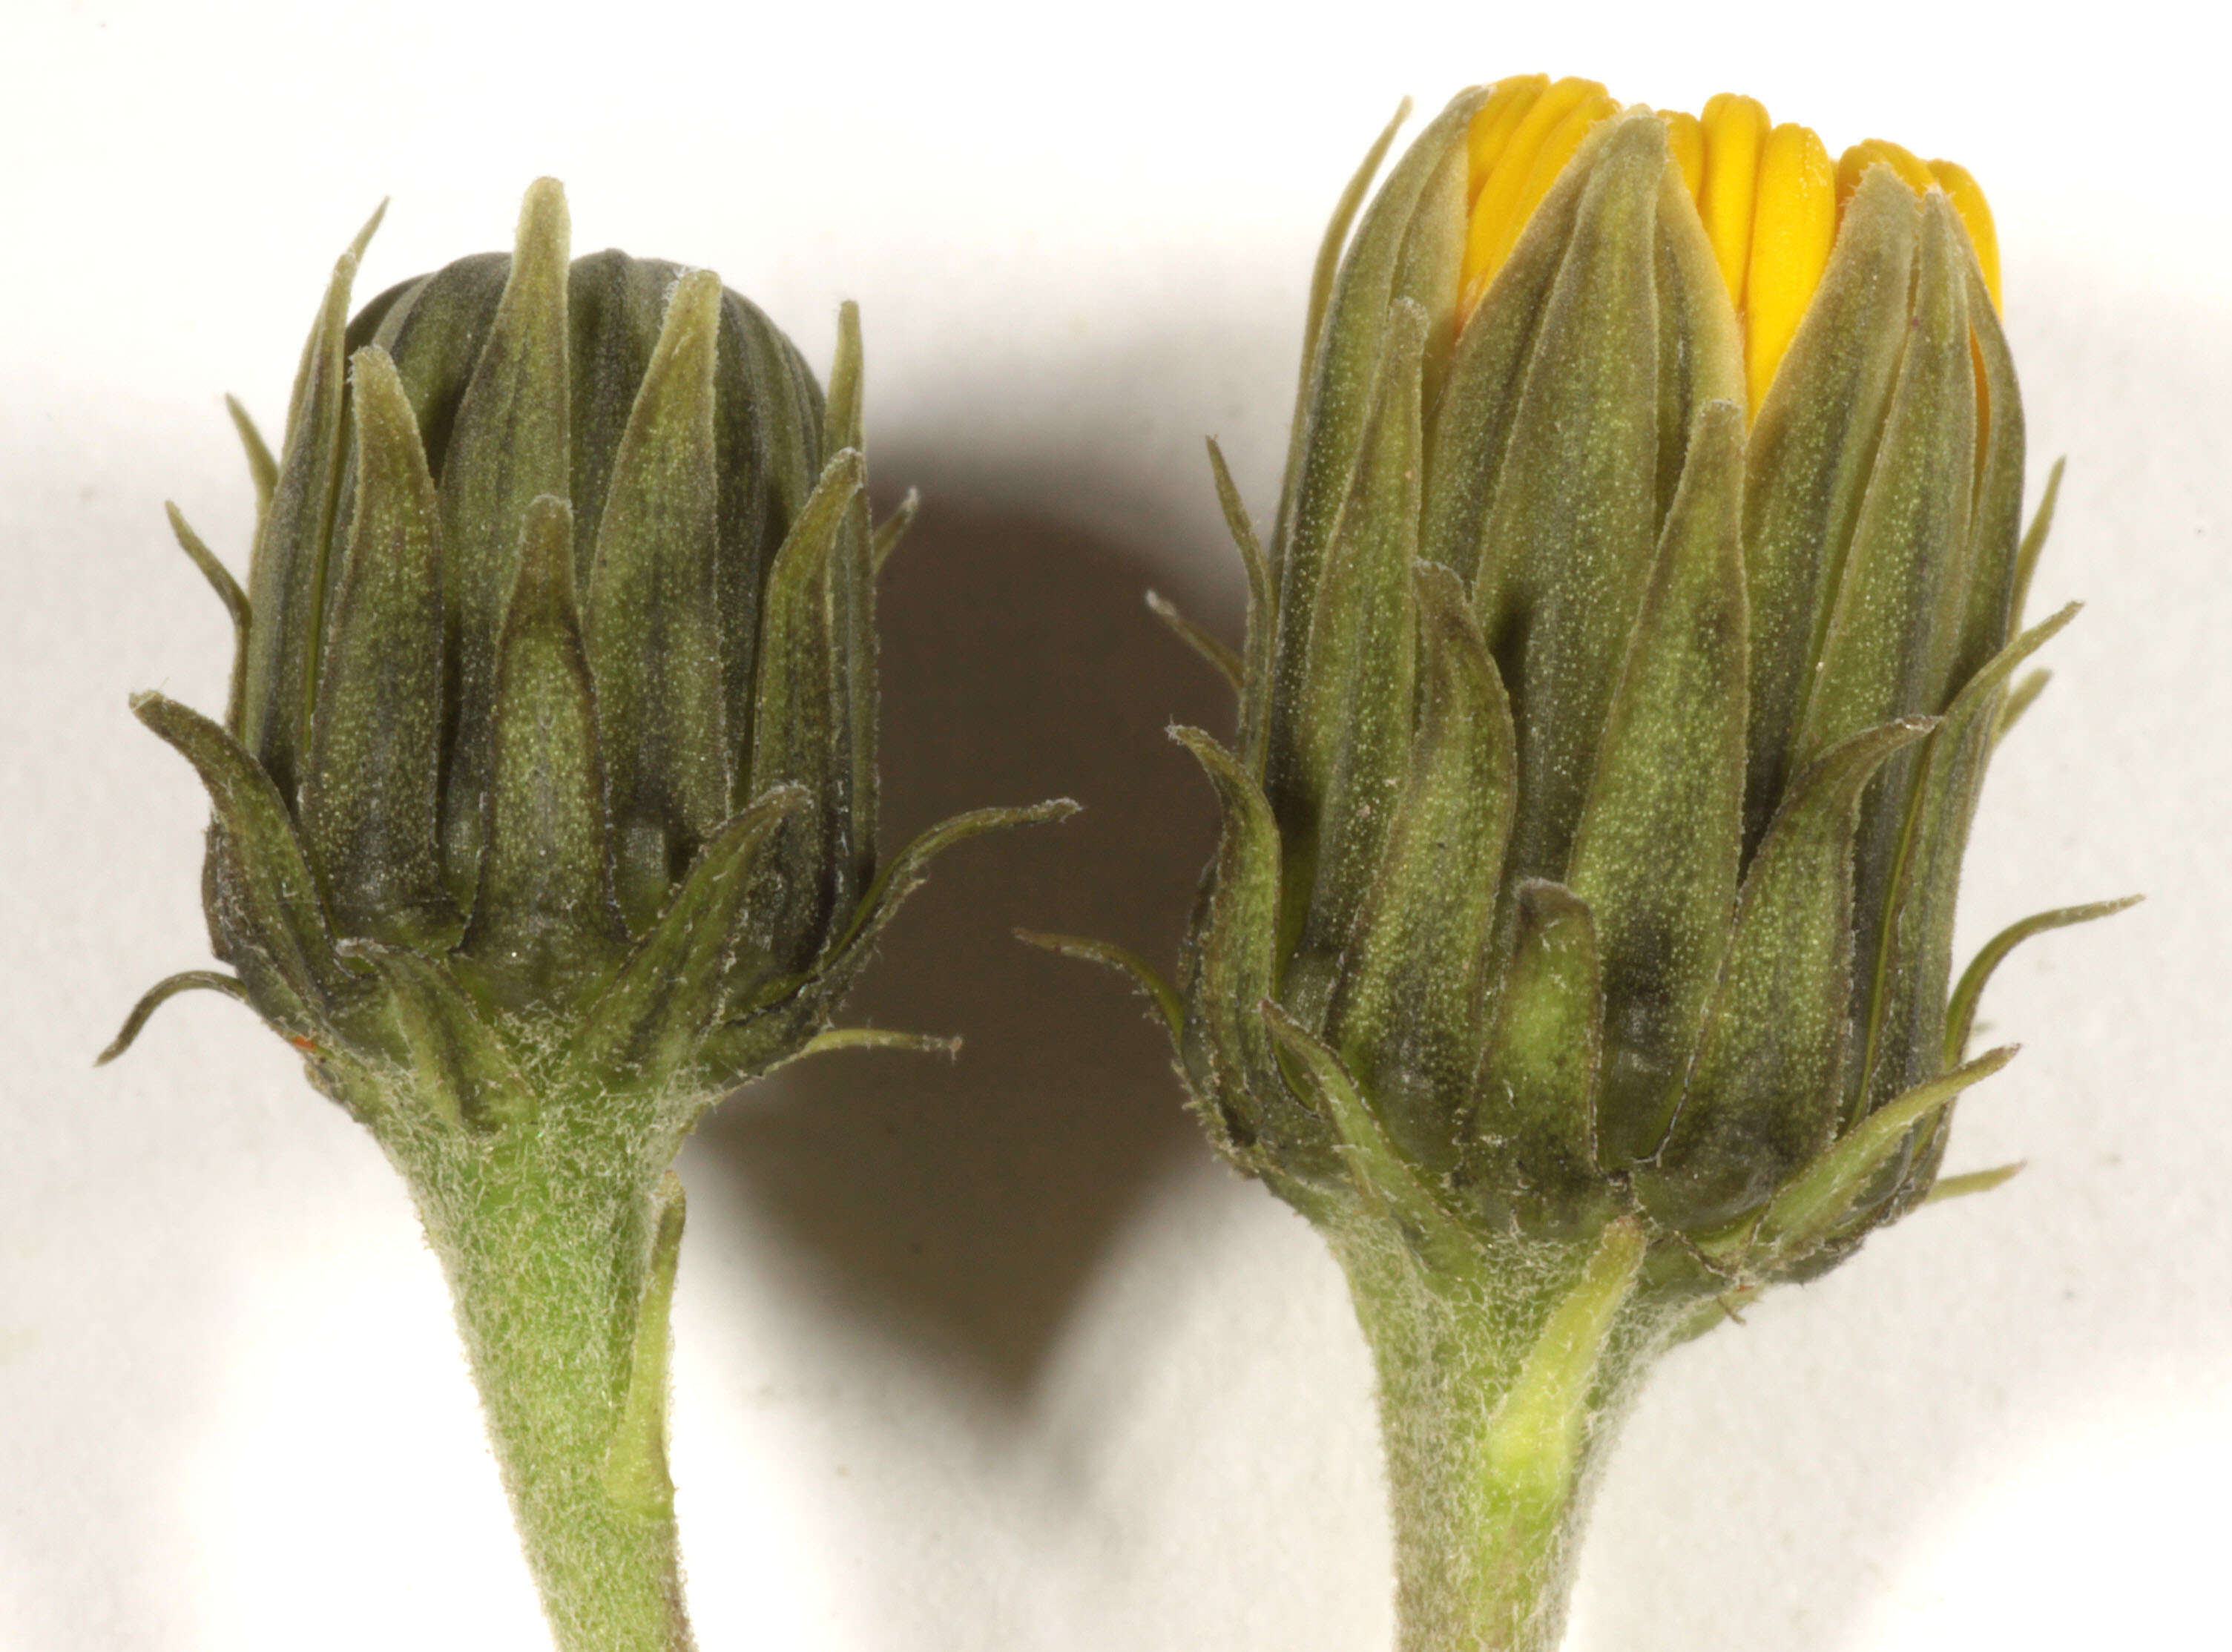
(235, 607)
(803, 731)
(465, 1076)
(1700, 354)
(1995, 527)
(1905, 1028)
(768, 436)
(1231, 968)
(1488, 374)
(644, 1028)
(892, 532)
(161, 994)
(1808, 462)
(840, 420)
(287, 573)
(1761, 1096)
(1570, 534)
(1328, 269)
(1348, 361)
(266, 902)
(1961, 1010)
(1832, 1190)
(508, 446)
(1381, 1172)
(654, 639)
(907, 870)
(1254, 685)
(1214, 652)
(2021, 698)
(1362, 667)
(371, 792)
(2034, 543)
(1407, 1013)
(1528, 1145)
(262, 469)
(1655, 854)
(1144, 976)
(544, 916)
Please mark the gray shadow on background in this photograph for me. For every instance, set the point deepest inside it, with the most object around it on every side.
(968, 1202)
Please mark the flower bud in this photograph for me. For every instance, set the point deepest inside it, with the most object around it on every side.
(1620, 677)
(555, 705)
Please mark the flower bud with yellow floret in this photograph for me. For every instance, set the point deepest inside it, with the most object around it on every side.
(1637, 618)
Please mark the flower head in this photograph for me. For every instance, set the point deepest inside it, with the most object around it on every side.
(1620, 677)
(552, 723)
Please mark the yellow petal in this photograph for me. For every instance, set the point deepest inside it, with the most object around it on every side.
(1686, 142)
(1793, 229)
(1509, 100)
(1976, 215)
(1874, 151)
(1557, 149)
(1736, 128)
(1496, 218)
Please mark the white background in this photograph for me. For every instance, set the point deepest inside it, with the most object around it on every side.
(990, 1356)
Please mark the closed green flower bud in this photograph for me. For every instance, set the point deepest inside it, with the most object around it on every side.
(1639, 616)
(545, 806)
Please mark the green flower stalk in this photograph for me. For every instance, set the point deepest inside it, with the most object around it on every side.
(1640, 615)
(544, 808)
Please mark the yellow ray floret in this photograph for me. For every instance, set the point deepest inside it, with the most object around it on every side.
(1768, 196)
(1520, 140)
(1735, 131)
(1793, 227)
(1686, 142)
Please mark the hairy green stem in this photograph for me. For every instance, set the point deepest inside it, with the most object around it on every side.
(559, 1238)
(1497, 1390)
